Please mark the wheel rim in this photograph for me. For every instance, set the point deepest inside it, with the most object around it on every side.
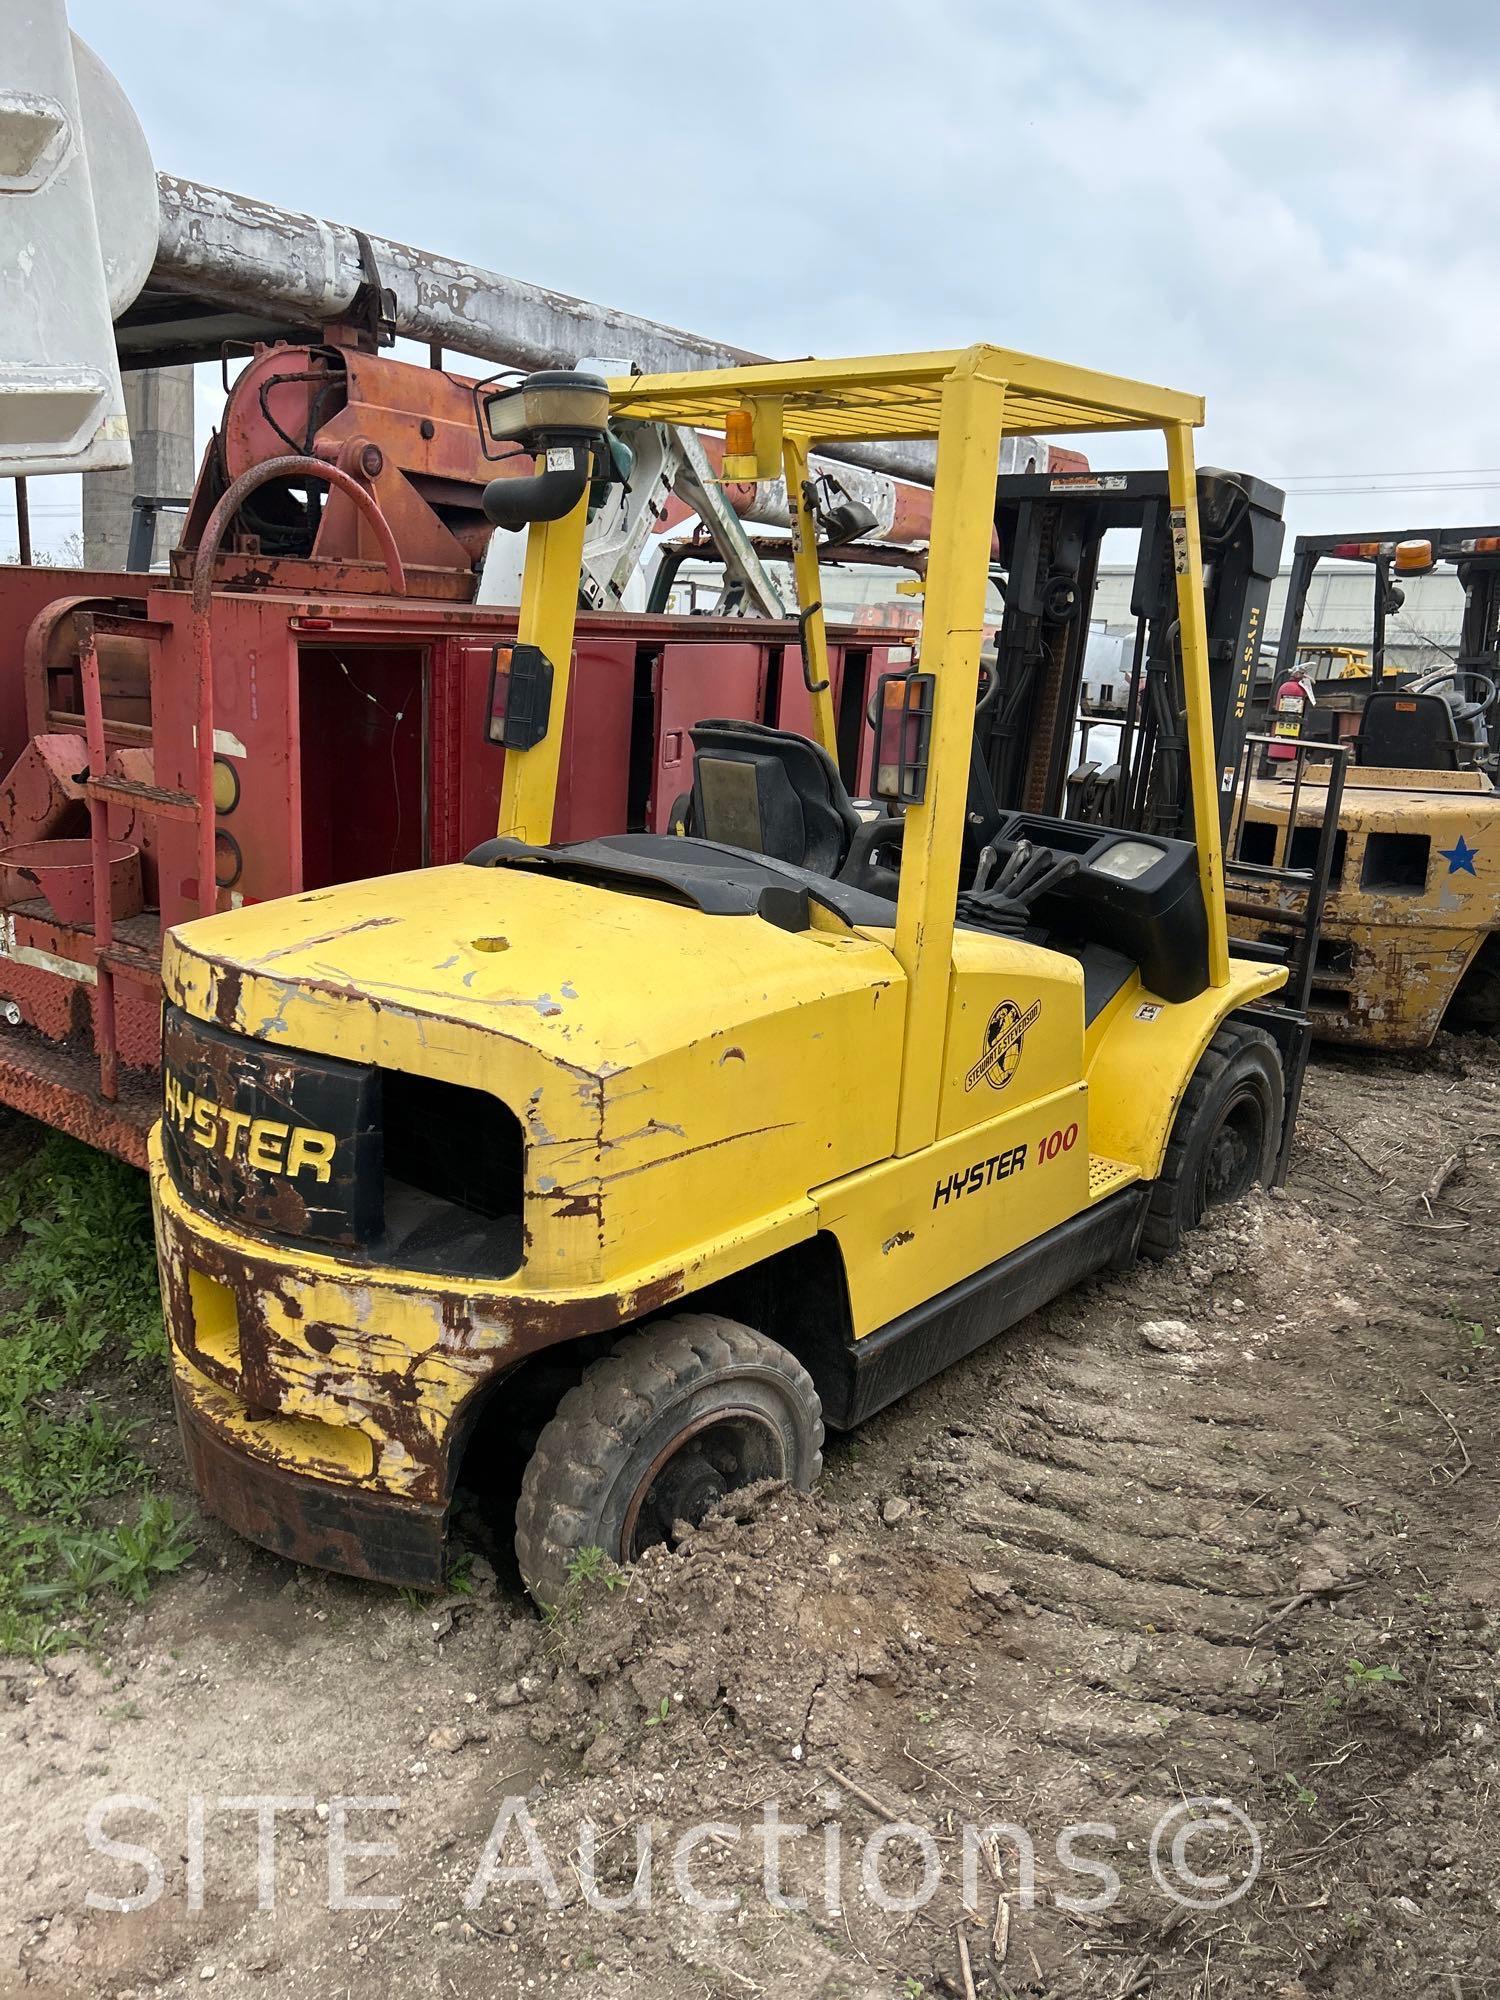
(1231, 1164)
(720, 1453)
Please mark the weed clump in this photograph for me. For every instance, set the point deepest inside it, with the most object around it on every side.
(77, 1521)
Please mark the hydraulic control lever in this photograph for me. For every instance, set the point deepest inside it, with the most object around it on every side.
(1028, 873)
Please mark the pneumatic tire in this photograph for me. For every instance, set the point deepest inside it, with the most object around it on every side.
(679, 1415)
(1224, 1138)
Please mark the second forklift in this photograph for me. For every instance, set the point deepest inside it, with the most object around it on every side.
(628, 1164)
(1410, 938)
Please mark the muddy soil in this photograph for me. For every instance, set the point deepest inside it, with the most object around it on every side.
(1222, 1530)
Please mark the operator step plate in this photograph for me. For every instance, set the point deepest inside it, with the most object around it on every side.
(1108, 1176)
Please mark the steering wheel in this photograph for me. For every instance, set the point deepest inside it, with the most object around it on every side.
(1470, 706)
(989, 683)
(873, 862)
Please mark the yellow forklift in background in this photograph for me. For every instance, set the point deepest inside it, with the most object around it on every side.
(627, 1165)
(1410, 931)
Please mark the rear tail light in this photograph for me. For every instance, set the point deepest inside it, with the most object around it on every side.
(520, 697)
(903, 737)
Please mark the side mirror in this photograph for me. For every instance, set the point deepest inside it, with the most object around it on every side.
(903, 737)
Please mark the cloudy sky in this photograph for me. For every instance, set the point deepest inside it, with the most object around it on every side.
(1286, 207)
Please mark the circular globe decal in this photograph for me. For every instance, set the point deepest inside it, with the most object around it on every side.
(1004, 1036)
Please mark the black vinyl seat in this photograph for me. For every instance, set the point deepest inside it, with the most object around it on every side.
(1409, 731)
(770, 792)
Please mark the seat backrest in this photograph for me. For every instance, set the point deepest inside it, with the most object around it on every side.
(770, 792)
(1401, 730)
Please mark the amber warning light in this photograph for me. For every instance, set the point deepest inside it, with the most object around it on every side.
(1413, 557)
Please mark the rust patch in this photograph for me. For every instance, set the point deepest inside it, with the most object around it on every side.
(731, 1055)
(354, 1531)
(535, 1323)
(228, 981)
(895, 1242)
(579, 1204)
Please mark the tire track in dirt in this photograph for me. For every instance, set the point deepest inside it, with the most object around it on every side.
(1129, 1554)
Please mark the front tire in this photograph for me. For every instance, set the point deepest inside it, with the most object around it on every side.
(676, 1417)
(1224, 1138)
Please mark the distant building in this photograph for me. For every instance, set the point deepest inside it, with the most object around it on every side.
(1340, 612)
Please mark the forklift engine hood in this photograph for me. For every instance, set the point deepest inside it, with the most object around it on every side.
(670, 1076)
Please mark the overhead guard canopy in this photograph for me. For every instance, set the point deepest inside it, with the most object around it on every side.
(900, 396)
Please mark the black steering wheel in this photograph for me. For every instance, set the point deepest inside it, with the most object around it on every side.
(1471, 706)
(873, 862)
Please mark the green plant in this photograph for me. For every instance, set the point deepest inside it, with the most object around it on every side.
(662, 1713)
(1473, 1330)
(912, 1989)
(78, 1525)
(1357, 1675)
(152, 1546)
(594, 1566)
(1302, 1795)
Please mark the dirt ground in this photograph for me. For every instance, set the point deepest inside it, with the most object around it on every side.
(1224, 1529)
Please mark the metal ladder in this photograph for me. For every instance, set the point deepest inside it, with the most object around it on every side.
(101, 791)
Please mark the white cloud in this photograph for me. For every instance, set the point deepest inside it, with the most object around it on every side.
(1285, 208)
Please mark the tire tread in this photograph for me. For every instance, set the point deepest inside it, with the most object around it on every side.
(1161, 1233)
(585, 1444)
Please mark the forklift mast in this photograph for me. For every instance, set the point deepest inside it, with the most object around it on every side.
(1473, 552)
(1395, 558)
(1051, 529)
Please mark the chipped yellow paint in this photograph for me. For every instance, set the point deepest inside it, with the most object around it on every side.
(321, 1451)
(644, 1044)
(1392, 958)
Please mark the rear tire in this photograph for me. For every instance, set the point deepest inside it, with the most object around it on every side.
(676, 1417)
(1224, 1138)
(1475, 1007)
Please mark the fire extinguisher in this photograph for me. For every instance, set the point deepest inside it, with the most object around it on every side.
(1293, 698)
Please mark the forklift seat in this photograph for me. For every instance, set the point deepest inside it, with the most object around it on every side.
(770, 792)
(1407, 731)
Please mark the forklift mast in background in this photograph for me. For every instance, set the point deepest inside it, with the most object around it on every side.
(1397, 558)
(1051, 529)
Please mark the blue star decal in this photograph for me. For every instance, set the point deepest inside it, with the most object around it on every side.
(1459, 857)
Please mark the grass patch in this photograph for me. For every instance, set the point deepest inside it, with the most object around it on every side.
(78, 1525)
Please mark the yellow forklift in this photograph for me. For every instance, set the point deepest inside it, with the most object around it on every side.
(625, 1166)
(1410, 931)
